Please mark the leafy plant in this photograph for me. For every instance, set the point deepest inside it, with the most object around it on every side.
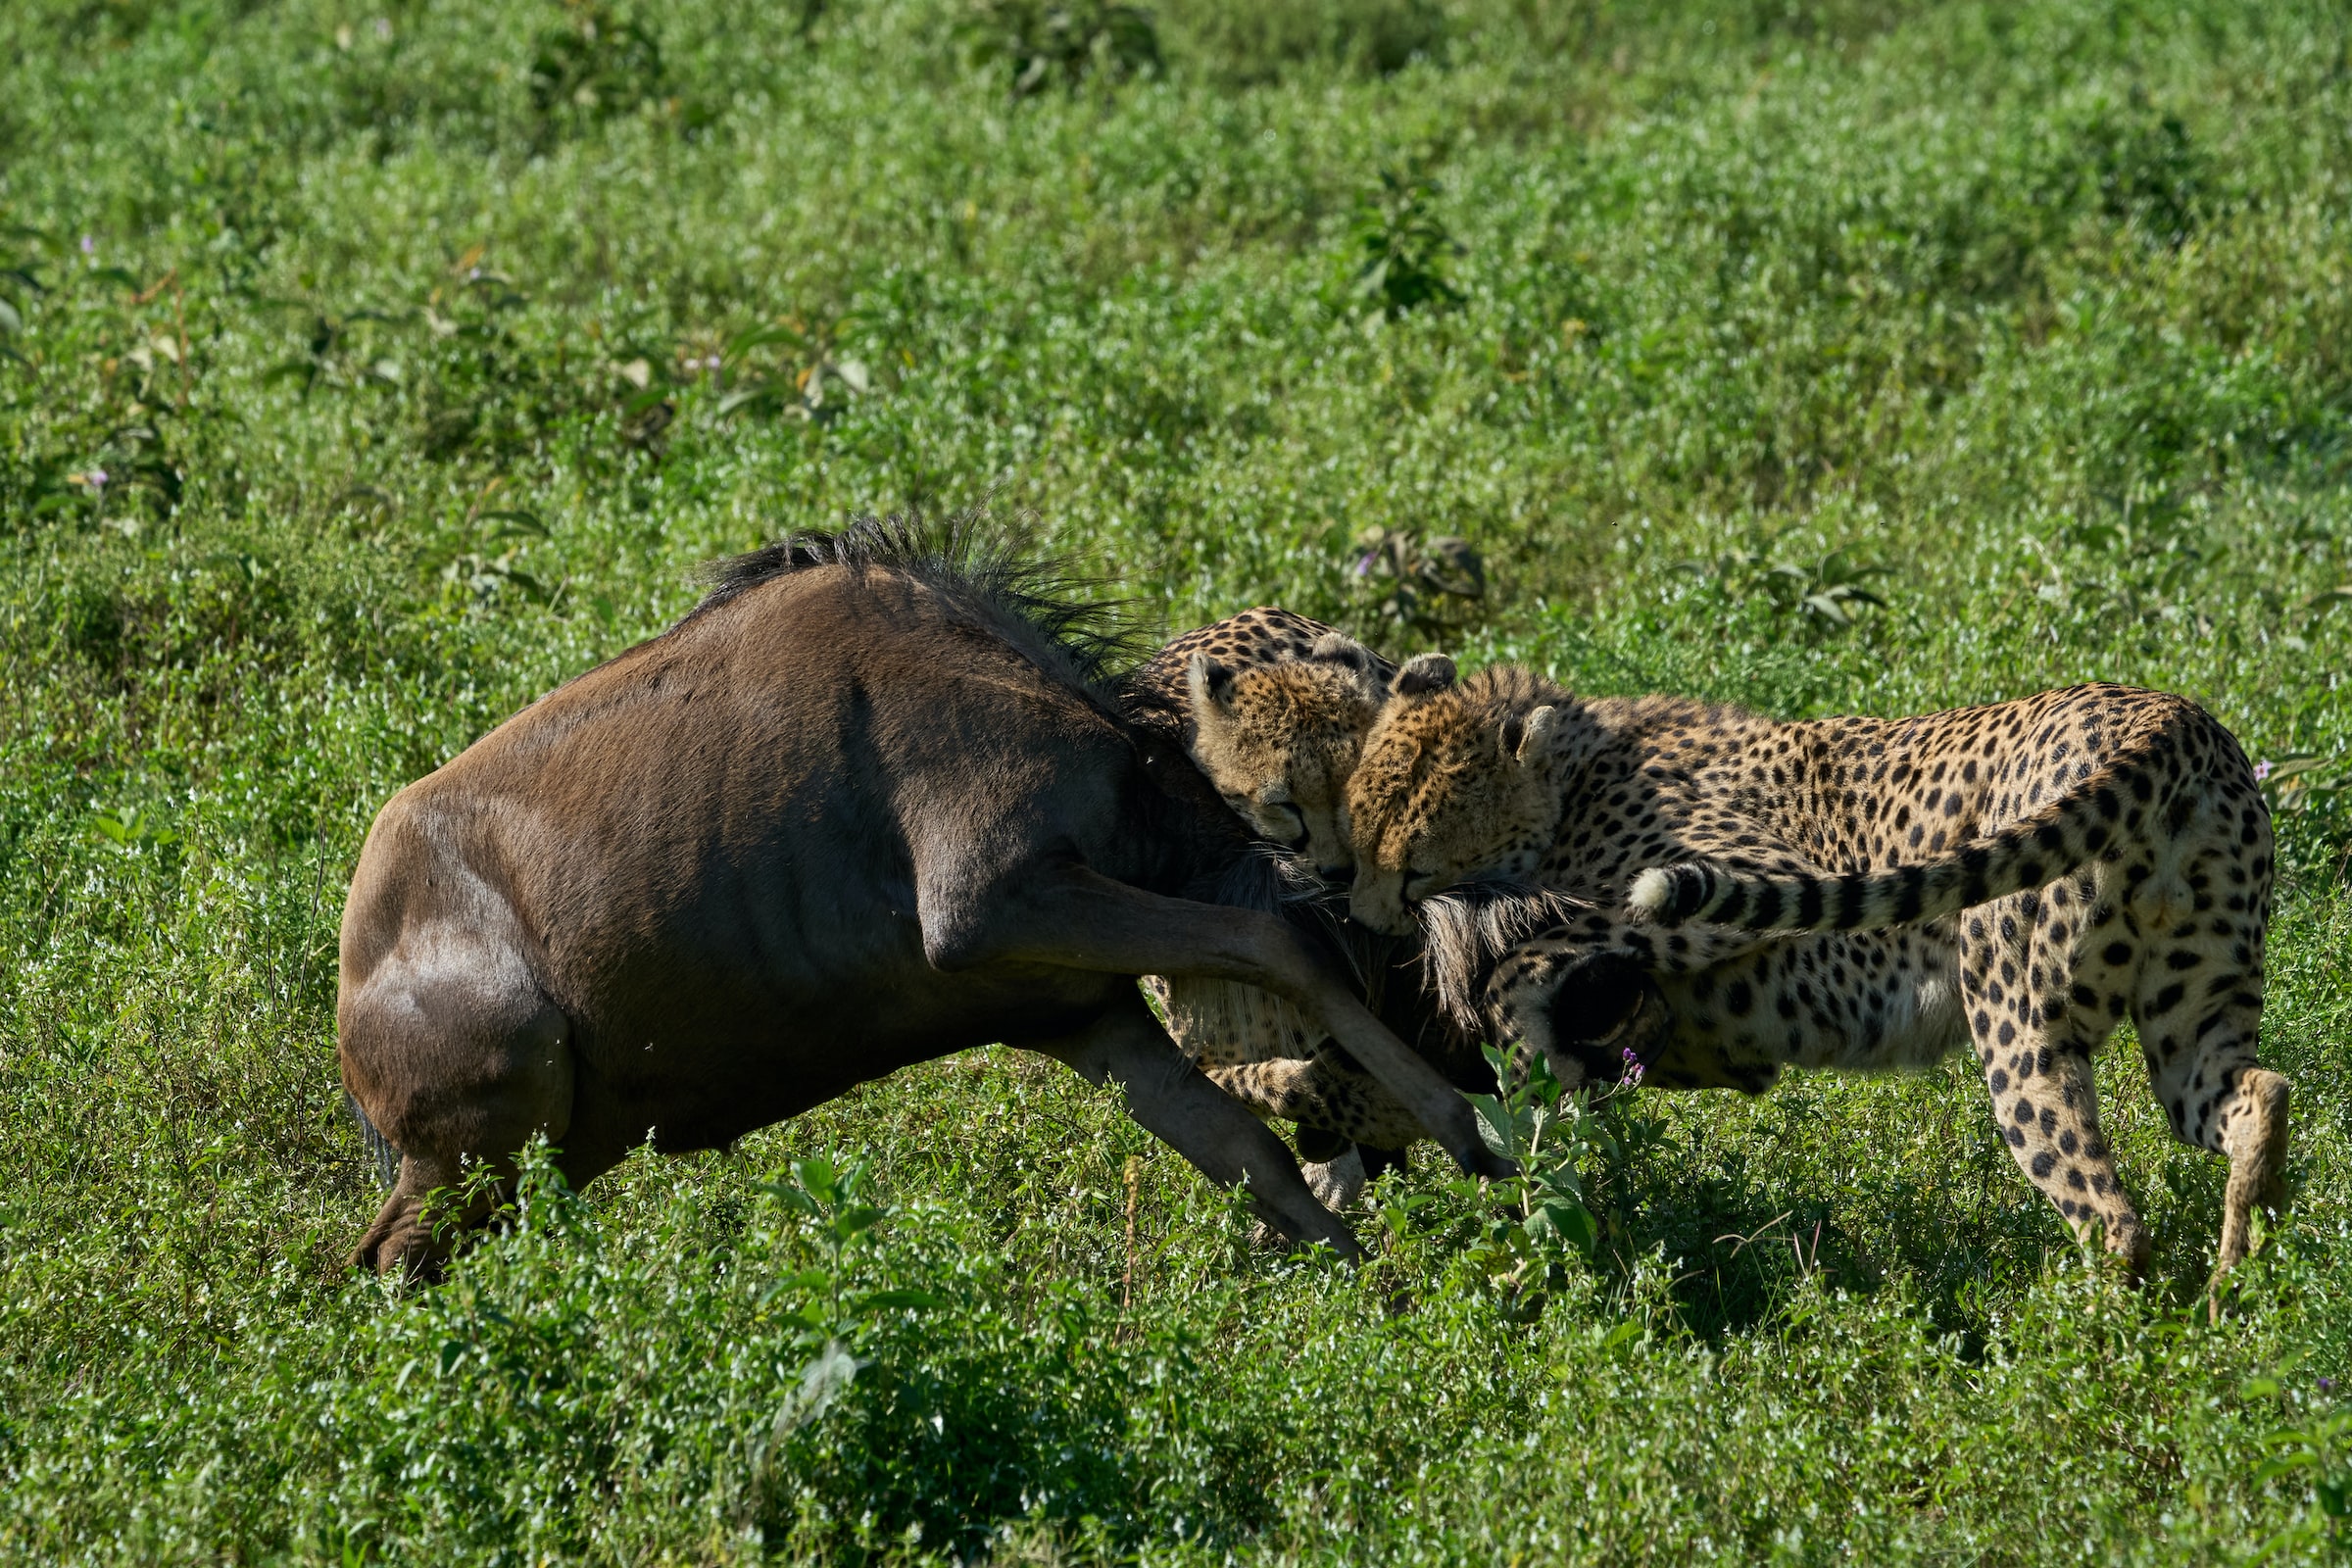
(833, 1198)
(2302, 781)
(478, 565)
(2153, 558)
(474, 385)
(792, 369)
(130, 828)
(1825, 595)
(327, 357)
(599, 62)
(2318, 1454)
(1039, 43)
(1535, 1222)
(1426, 585)
(1400, 252)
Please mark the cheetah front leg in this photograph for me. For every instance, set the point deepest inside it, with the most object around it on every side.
(2035, 1016)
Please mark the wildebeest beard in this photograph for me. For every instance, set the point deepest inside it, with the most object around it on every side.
(1466, 930)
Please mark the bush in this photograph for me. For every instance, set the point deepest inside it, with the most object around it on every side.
(1260, 43)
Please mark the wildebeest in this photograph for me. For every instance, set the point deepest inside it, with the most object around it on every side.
(869, 803)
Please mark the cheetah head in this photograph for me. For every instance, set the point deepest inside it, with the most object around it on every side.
(1455, 782)
(1279, 740)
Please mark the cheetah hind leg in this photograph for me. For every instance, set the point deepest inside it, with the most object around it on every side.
(2202, 1067)
(2032, 999)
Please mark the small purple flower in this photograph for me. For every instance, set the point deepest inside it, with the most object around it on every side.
(712, 361)
(2262, 770)
(1632, 1066)
(95, 478)
(89, 246)
(1363, 564)
(2327, 1385)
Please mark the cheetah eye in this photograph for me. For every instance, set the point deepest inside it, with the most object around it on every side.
(1289, 820)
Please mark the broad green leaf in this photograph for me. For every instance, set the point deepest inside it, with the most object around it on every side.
(898, 1301)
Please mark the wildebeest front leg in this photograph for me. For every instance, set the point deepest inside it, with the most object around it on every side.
(453, 1054)
(1077, 918)
(1169, 1096)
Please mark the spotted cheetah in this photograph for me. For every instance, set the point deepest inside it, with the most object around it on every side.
(1272, 705)
(1868, 892)
(1273, 708)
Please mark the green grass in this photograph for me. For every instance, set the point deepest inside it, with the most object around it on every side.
(390, 328)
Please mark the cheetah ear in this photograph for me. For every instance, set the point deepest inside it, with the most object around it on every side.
(1210, 686)
(1422, 674)
(1527, 737)
(1360, 662)
(1337, 648)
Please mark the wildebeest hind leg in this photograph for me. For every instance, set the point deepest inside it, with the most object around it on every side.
(1077, 918)
(1169, 1096)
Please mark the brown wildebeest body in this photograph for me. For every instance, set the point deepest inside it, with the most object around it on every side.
(855, 813)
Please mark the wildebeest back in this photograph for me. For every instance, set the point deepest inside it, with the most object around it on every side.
(651, 825)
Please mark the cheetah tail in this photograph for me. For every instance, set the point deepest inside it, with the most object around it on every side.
(2031, 853)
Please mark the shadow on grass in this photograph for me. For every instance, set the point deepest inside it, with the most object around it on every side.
(1743, 1230)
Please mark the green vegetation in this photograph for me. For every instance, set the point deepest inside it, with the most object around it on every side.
(367, 368)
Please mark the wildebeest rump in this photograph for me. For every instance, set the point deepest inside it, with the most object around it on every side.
(867, 805)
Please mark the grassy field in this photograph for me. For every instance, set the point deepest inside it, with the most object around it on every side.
(367, 368)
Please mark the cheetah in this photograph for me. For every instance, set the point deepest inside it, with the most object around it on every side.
(1272, 705)
(1273, 708)
(1868, 894)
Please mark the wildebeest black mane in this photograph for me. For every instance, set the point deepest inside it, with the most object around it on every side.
(964, 556)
